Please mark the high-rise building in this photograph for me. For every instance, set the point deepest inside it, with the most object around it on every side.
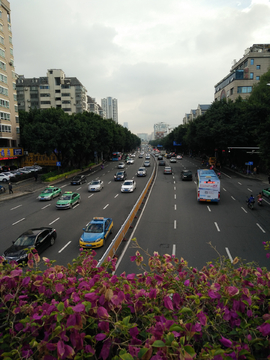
(160, 130)
(126, 125)
(9, 118)
(93, 106)
(244, 73)
(54, 90)
(109, 105)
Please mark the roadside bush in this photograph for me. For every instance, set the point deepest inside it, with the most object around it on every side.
(172, 311)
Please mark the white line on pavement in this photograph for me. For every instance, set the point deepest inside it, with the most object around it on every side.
(217, 226)
(260, 228)
(174, 224)
(63, 186)
(173, 249)
(90, 196)
(229, 254)
(232, 197)
(64, 247)
(244, 209)
(175, 207)
(208, 207)
(105, 206)
(116, 195)
(44, 207)
(239, 183)
(249, 190)
(175, 196)
(16, 207)
(18, 221)
(224, 189)
(54, 221)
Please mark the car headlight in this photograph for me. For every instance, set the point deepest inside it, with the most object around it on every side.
(23, 256)
(81, 239)
(98, 240)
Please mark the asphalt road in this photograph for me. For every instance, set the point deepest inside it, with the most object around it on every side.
(173, 222)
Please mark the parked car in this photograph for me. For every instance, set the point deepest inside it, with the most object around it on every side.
(38, 238)
(4, 177)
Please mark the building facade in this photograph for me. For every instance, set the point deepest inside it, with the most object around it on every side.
(55, 90)
(9, 118)
(160, 130)
(110, 107)
(244, 73)
(93, 106)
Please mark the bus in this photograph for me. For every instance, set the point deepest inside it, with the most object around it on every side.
(208, 186)
(116, 155)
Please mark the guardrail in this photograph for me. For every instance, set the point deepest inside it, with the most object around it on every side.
(117, 240)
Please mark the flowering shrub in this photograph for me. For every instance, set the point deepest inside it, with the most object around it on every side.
(171, 311)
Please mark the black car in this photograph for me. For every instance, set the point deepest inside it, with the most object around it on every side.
(78, 180)
(39, 239)
(161, 163)
(120, 176)
(186, 175)
(160, 157)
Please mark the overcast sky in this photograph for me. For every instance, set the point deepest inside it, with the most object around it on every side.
(158, 58)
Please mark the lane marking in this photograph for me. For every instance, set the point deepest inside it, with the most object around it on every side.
(173, 250)
(90, 196)
(174, 224)
(64, 247)
(16, 207)
(224, 189)
(63, 186)
(232, 197)
(266, 202)
(18, 221)
(175, 196)
(208, 207)
(78, 188)
(175, 188)
(175, 207)
(259, 226)
(244, 209)
(74, 207)
(249, 190)
(105, 206)
(229, 254)
(218, 229)
(226, 175)
(116, 195)
(54, 221)
(44, 207)
(239, 183)
(109, 182)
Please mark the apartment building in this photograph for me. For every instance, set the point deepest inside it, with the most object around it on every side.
(110, 107)
(9, 118)
(93, 106)
(54, 90)
(244, 73)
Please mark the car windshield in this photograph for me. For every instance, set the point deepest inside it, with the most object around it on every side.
(65, 197)
(119, 174)
(94, 182)
(141, 169)
(94, 228)
(128, 183)
(76, 178)
(47, 191)
(25, 240)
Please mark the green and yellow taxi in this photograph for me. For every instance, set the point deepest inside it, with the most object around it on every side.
(266, 192)
(49, 193)
(96, 232)
(68, 200)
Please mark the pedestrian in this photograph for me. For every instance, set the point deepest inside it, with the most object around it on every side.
(35, 176)
(10, 188)
(255, 171)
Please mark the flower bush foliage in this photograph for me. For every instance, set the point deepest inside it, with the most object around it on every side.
(171, 311)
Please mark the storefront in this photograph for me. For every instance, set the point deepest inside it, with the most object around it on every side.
(10, 157)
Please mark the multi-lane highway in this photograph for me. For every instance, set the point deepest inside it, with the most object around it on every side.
(172, 220)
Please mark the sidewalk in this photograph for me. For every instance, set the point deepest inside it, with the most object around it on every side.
(259, 177)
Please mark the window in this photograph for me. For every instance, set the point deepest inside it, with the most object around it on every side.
(4, 103)
(9, 28)
(65, 86)
(2, 40)
(257, 77)
(57, 99)
(8, 17)
(44, 95)
(14, 86)
(16, 108)
(17, 119)
(33, 88)
(45, 102)
(11, 51)
(258, 67)
(10, 39)
(4, 116)
(57, 91)
(2, 53)
(2, 65)
(17, 130)
(244, 89)
(65, 94)
(34, 104)
(67, 109)
(15, 97)
(251, 75)
(1, 27)
(0, 14)
(3, 91)
(251, 61)
(5, 128)
(66, 102)
(3, 78)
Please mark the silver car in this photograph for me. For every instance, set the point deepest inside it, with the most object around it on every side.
(128, 186)
(95, 185)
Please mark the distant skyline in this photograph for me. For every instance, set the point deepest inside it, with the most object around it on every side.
(158, 58)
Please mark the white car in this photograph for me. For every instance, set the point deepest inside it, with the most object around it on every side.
(147, 157)
(121, 165)
(4, 177)
(128, 186)
(130, 161)
(179, 157)
(173, 160)
(10, 174)
(95, 185)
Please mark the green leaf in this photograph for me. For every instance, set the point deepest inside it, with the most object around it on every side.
(186, 310)
(126, 357)
(244, 352)
(60, 306)
(158, 343)
(142, 352)
(126, 320)
(176, 328)
(189, 349)
(219, 352)
(169, 339)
